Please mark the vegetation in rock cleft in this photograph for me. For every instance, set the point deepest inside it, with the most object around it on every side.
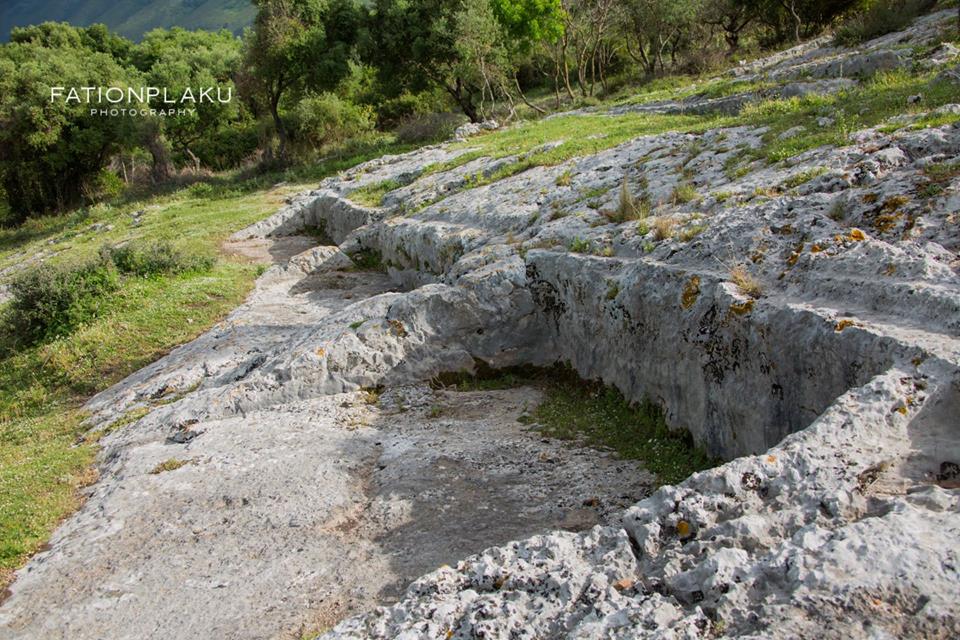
(592, 414)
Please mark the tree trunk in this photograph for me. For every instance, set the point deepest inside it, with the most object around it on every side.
(278, 124)
(733, 41)
(195, 159)
(791, 6)
(523, 97)
(556, 79)
(157, 146)
(464, 98)
(566, 68)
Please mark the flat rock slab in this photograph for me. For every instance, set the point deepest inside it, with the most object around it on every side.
(287, 519)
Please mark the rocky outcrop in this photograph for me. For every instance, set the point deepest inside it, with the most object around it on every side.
(801, 319)
(837, 380)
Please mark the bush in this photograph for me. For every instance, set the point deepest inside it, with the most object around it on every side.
(48, 302)
(105, 186)
(154, 259)
(326, 119)
(228, 146)
(879, 18)
(427, 128)
(393, 112)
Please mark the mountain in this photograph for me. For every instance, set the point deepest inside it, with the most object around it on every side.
(131, 18)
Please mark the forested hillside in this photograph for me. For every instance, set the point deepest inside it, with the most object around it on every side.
(131, 18)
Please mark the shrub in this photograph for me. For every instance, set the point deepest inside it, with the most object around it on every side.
(393, 112)
(51, 301)
(326, 119)
(105, 186)
(879, 18)
(52, 152)
(154, 259)
(228, 146)
(433, 127)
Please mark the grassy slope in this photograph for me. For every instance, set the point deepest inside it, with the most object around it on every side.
(43, 459)
(868, 105)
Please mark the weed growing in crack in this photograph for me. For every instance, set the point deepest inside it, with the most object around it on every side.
(745, 281)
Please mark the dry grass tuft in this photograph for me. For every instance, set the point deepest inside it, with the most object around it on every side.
(745, 281)
(664, 227)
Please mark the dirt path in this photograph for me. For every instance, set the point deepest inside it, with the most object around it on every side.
(289, 518)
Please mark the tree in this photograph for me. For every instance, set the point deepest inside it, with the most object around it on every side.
(457, 45)
(530, 23)
(654, 26)
(733, 17)
(177, 59)
(296, 46)
(587, 29)
(53, 151)
(796, 19)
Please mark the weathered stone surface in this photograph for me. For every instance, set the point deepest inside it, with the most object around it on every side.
(288, 517)
(473, 128)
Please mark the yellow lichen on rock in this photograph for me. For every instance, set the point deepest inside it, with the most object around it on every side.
(690, 292)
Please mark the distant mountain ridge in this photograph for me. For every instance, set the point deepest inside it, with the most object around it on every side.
(130, 18)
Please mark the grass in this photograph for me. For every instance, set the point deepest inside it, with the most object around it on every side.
(745, 281)
(552, 141)
(42, 389)
(580, 245)
(601, 417)
(938, 176)
(598, 416)
(367, 260)
(870, 104)
(664, 227)
(629, 207)
(803, 177)
(684, 193)
(372, 195)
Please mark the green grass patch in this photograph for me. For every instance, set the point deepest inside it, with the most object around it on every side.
(154, 258)
(372, 195)
(938, 176)
(367, 260)
(868, 105)
(601, 417)
(802, 178)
